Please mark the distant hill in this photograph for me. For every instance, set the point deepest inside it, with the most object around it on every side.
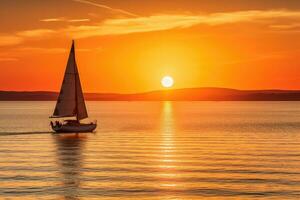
(188, 94)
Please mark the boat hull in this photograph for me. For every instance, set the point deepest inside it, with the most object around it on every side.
(78, 128)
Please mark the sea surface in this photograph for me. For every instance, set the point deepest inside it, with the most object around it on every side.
(153, 150)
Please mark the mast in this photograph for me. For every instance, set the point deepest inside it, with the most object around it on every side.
(76, 74)
(76, 101)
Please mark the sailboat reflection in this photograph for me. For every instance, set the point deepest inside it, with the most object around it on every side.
(69, 158)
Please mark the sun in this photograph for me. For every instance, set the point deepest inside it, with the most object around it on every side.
(167, 81)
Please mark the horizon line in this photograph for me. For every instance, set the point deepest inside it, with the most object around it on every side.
(158, 90)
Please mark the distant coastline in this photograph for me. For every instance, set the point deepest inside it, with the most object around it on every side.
(187, 94)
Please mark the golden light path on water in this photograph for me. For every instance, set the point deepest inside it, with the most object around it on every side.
(168, 147)
(153, 150)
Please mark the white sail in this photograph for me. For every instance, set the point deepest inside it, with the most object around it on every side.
(70, 101)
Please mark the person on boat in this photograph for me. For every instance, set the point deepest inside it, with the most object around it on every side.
(57, 123)
(54, 124)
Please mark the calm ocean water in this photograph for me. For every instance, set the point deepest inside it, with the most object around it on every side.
(153, 150)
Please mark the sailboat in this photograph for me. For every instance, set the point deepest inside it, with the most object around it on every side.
(70, 102)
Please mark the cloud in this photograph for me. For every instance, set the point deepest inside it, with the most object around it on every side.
(285, 26)
(79, 20)
(21, 36)
(62, 19)
(162, 22)
(248, 16)
(35, 33)
(167, 22)
(106, 7)
(7, 40)
(133, 25)
(42, 50)
(8, 59)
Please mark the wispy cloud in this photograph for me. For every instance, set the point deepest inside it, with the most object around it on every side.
(161, 22)
(60, 19)
(42, 50)
(133, 25)
(167, 22)
(63, 19)
(285, 26)
(36, 33)
(8, 59)
(79, 20)
(248, 16)
(7, 40)
(21, 36)
(107, 7)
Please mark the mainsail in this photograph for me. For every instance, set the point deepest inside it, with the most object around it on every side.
(70, 101)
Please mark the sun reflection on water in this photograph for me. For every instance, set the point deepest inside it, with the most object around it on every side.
(168, 147)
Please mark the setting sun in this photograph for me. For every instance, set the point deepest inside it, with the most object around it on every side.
(167, 81)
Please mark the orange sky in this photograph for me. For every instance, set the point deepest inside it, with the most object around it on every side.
(128, 46)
